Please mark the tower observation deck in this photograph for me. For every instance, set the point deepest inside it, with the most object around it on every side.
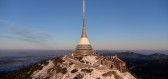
(84, 48)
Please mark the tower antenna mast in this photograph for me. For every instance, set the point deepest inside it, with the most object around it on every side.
(83, 15)
(84, 21)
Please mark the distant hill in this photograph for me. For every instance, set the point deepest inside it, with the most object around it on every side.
(130, 55)
(158, 56)
(133, 55)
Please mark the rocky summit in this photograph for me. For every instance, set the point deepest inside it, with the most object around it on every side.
(88, 67)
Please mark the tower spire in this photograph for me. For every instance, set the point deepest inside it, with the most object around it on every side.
(84, 21)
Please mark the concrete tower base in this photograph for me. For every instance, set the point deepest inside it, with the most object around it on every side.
(79, 53)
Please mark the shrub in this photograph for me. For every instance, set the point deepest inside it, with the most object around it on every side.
(87, 70)
(82, 61)
(78, 76)
(80, 58)
(74, 71)
(61, 70)
(70, 63)
(64, 70)
(58, 60)
(45, 63)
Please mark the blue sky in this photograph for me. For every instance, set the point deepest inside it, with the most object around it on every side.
(57, 24)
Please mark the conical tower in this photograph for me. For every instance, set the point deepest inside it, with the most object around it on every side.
(84, 47)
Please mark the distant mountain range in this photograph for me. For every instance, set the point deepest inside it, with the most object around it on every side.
(133, 55)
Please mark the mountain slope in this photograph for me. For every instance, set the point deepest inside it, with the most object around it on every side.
(72, 69)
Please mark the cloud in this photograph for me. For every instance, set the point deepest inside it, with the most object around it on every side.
(6, 23)
(17, 32)
(30, 36)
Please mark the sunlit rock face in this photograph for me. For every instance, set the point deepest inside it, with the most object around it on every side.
(87, 67)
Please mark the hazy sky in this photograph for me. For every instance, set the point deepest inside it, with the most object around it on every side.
(57, 24)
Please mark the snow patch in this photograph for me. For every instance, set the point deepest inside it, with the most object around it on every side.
(43, 72)
(90, 59)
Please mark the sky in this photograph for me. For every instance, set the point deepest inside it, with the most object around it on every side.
(57, 24)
